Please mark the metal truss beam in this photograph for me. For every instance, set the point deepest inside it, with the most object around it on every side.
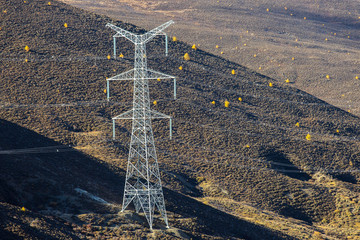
(130, 75)
(130, 115)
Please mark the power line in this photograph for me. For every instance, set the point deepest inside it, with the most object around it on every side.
(255, 168)
(256, 159)
(68, 104)
(223, 89)
(197, 65)
(50, 149)
(338, 138)
(67, 148)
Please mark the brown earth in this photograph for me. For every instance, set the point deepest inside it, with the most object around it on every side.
(245, 171)
(275, 37)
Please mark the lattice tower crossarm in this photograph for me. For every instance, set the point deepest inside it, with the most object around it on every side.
(143, 184)
(148, 36)
(129, 75)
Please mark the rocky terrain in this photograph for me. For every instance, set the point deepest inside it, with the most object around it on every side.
(276, 163)
(303, 41)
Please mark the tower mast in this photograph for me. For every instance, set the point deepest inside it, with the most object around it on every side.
(143, 184)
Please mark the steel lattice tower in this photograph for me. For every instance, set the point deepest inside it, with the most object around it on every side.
(143, 184)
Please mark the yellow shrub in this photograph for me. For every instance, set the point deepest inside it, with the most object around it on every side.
(186, 57)
(332, 183)
(200, 179)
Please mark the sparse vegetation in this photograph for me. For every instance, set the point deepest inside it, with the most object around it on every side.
(200, 179)
(217, 155)
(186, 57)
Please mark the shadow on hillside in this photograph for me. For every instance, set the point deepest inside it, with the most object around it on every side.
(215, 222)
(29, 225)
(344, 21)
(40, 173)
(5, 235)
(280, 163)
(42, 179)
(346, 177)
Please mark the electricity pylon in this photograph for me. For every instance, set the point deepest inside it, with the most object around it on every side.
(143, 184)
(150, 74)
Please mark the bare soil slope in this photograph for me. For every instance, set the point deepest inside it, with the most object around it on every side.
(322, 36)
(246, 160)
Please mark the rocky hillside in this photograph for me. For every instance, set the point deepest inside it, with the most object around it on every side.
(274, 151)
(303, 41)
